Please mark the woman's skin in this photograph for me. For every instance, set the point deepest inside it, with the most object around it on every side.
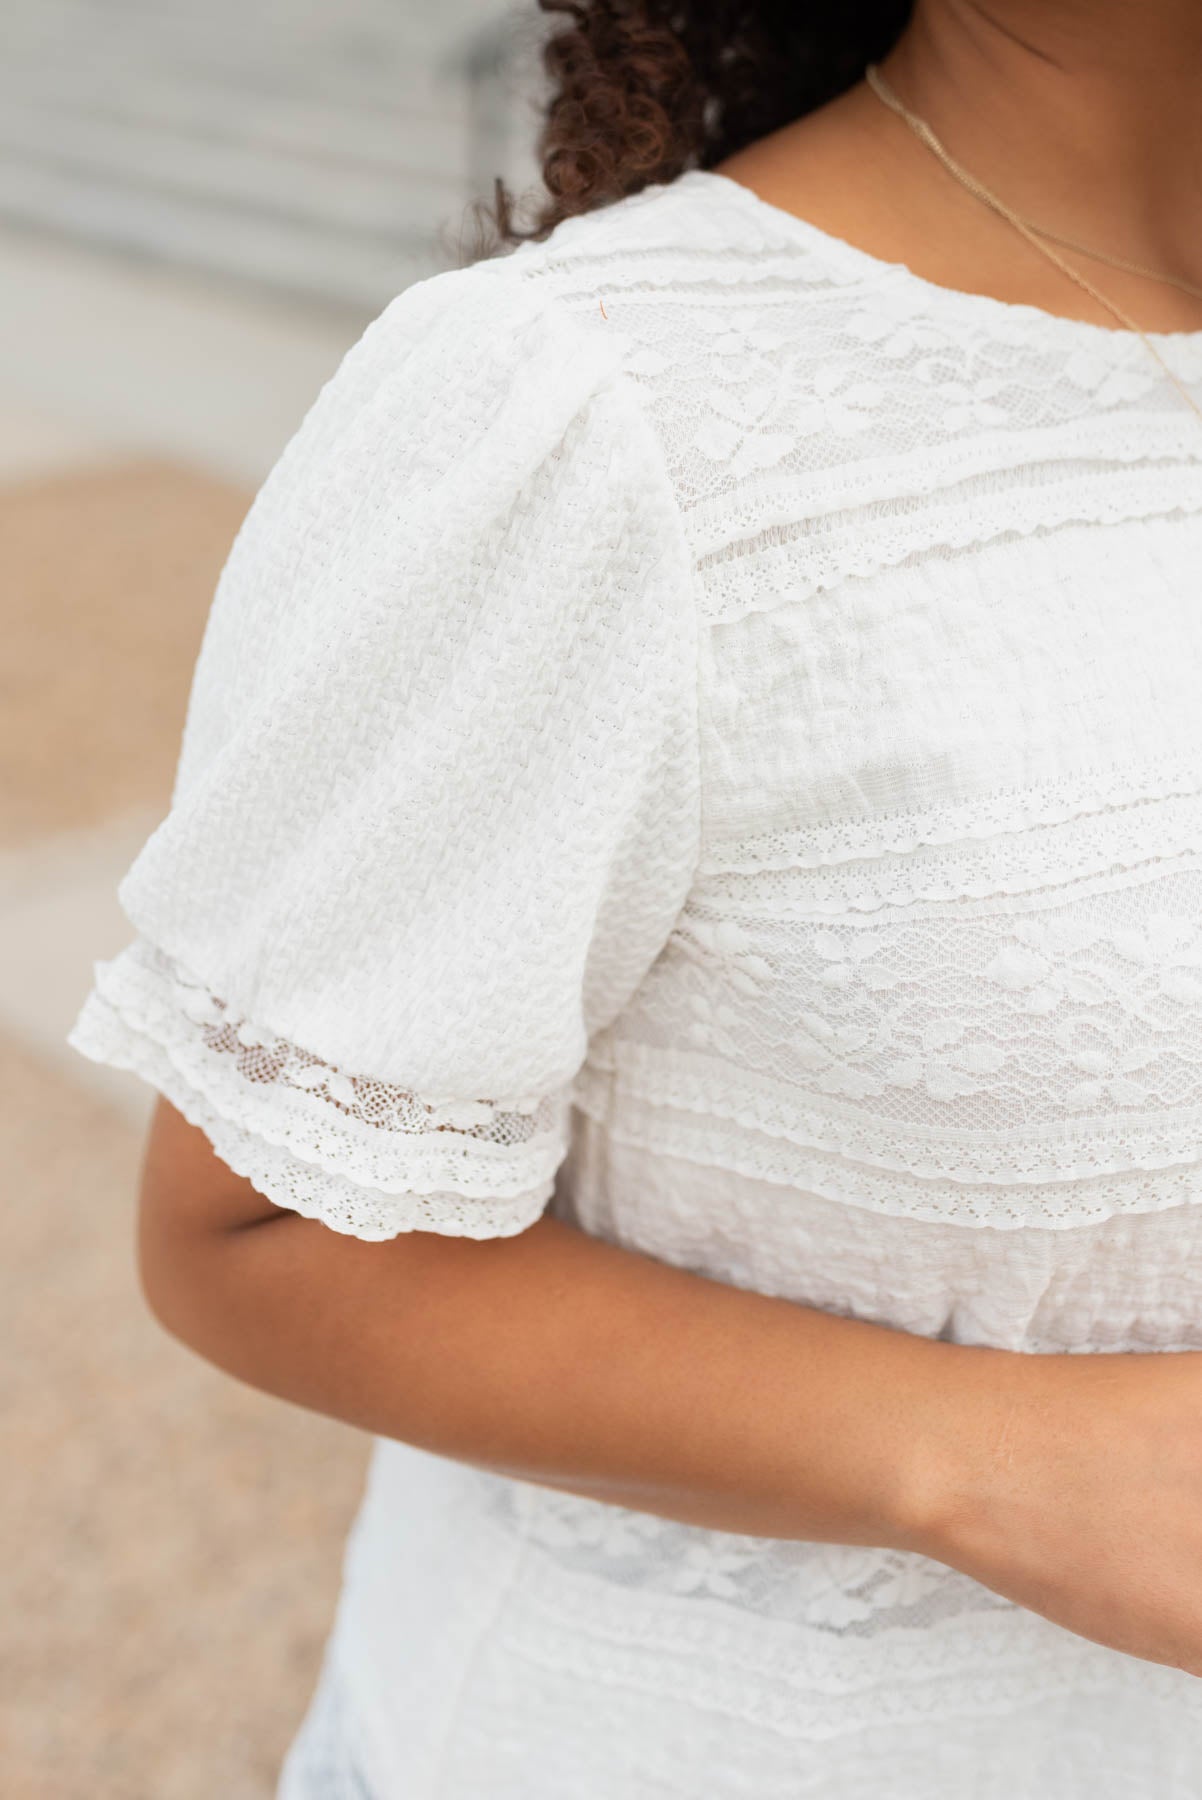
(1082, 115)
(1070, 1483)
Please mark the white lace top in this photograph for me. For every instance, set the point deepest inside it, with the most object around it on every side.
(701, 729)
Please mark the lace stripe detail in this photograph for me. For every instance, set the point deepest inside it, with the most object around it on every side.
(1070, 797)
(1008, 863)
(715, 1116)
(365, 1157)
(747, 1149)
(778, 561)
(806, 1684)
(1012, 1060)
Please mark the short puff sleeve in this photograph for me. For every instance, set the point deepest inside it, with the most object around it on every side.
(436, 806)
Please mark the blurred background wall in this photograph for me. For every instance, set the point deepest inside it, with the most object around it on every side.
(201, 206)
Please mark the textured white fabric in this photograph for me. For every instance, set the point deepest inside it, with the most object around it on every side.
(321, 1761)
(700, 731)
(437, 803)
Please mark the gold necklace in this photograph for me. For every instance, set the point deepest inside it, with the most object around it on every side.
(880, 87)
(1115, 262)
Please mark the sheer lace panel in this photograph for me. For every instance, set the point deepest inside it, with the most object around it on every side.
(363, 1155)
(807, 1640)
(1025, 1058)
(787, 379)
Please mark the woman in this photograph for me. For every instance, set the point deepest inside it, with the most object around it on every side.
(687, 855)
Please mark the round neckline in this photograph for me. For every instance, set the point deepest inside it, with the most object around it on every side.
(986, 308)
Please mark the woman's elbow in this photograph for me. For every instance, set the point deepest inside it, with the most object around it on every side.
(190, 1206)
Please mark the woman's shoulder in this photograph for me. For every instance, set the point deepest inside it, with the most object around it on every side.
(701, 236)
(694, 214)
(598, 277)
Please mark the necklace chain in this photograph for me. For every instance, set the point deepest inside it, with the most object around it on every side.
(880, 87)
(1115, 262)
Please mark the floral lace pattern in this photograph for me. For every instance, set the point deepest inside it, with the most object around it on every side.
(836, 1588)
(365, 1156)
(1025, 1058)
(779, 363)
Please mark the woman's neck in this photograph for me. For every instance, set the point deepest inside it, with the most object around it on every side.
(1082, 115)
(1086, 114)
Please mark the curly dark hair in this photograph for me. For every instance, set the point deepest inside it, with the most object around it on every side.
(641, 90)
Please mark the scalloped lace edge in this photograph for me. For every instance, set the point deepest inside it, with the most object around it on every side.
(155, 998)
(102, 1034)
(737, 582)
(983, 816)
(805, 1681)
(719, 1121)
(1088, 852)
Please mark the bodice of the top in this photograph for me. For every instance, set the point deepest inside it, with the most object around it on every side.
(942, 958)
(925, 1043)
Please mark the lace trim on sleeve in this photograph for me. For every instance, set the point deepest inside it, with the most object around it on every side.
(365, 1156)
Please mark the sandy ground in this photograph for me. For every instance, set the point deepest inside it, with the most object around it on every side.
(111, 573)
(172, 1538)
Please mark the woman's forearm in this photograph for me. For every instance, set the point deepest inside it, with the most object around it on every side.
(568, 1361)
(1071, 1485)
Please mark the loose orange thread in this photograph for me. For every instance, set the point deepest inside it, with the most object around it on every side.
(604, 314)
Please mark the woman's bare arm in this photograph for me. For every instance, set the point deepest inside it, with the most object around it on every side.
(1072, 1484)
(552, 1356)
